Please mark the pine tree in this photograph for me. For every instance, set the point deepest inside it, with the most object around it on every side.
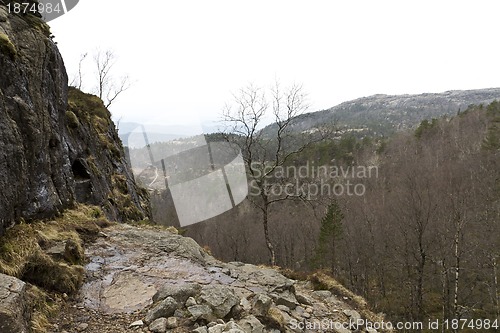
(330, 232)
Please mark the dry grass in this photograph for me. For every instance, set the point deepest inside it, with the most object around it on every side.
(24, 253)
(323, 281)
(44, 306)
(23, 244)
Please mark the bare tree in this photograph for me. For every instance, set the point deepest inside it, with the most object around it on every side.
(108, 89)
(78, 78)
(266, 150)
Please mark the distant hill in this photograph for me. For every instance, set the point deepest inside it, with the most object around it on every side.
(384, 114)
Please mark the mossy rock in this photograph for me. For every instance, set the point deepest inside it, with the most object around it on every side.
(81, 103)
(72, 119)
(6, 46)
(43, 271)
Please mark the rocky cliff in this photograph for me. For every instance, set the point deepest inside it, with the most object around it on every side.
(54, 153)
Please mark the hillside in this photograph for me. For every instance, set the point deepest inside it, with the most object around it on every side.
(59, 146)
(381, 115)
(67, 266)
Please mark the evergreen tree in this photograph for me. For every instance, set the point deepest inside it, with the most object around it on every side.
(330, 232)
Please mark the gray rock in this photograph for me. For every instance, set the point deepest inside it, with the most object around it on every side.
(232, 326)
(201, 311)
(353, 315)
(14, 316)
(220, 299)
(202, 329)
(322, 294)
(268, 277)
(190, 302)
(287, 299)
(251, 324)
(261, 304)
(172, 322)
(165, 308)
(219, 328)
(180, 292)
(159, 325)
(245, 304)
(303, 299)
(186, 247)
(283, 308)
(180, 313)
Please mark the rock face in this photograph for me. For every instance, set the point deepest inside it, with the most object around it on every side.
(169, 283)
(54, 153)
(13, 313)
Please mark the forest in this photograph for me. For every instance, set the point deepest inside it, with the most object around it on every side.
(421, 241)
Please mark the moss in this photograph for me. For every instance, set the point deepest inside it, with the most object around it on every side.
(72, 119)
(6, 45)
(24, 242)
(23, 254)
(81, 103)
(47, 273)
(93, 167)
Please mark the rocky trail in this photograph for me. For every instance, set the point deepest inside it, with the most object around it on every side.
(150, 280)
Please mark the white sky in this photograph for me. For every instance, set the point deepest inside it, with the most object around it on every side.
(187, 57)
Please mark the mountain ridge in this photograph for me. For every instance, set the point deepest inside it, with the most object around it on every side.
(383, 114)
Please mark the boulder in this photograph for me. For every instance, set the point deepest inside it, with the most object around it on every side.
(251, 324)
(165, 308)
(261, 304)
(286, 298)
(14, 314)
(180, 292)
(158, 325)
(220, 298)
(202, 311)
(322, 294)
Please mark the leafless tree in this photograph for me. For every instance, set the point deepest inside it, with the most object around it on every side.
(78, 79)
(265, 150)
(108, 88)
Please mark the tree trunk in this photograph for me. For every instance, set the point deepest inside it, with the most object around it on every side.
(446, 293)
(269, 244)
(456, 315)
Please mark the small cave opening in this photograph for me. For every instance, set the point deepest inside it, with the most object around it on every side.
(83, 185)
(79, 170)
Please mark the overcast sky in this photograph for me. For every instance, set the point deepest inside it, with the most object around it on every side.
(185, 58)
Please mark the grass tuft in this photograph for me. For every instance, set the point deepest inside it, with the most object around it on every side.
(6, 46)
